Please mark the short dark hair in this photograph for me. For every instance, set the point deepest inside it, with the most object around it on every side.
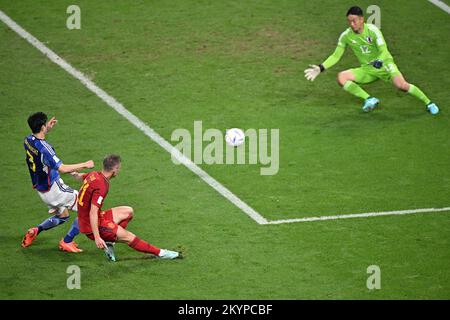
(36, 121)
(110, 161)
(357, 11)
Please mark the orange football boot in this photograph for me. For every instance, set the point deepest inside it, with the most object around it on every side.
(69, 247)
(29, 237)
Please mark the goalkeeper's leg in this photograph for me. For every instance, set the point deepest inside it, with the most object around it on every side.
(349, 80)
(346, 80)
(403, 85)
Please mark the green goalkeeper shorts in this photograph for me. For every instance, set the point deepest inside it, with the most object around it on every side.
(368, 73)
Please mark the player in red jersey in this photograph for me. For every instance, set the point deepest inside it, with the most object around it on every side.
(107, 227)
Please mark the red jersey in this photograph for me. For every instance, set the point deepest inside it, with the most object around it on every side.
(93, 192)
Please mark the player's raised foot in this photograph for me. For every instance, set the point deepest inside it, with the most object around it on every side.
(69, 247)
(370, 104)
(29, 237)
(109, 251)
(167, 254)
(432, 108)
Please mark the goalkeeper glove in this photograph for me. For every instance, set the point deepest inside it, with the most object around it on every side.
(313, 71)
(377, 64)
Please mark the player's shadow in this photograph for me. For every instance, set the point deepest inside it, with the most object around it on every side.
(152, 257)
(145, 257)
(349, 114)
(380, 117)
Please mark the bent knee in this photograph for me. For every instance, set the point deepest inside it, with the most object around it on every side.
(342, 78)
(403, 86)
(64, 214)
(125, 210)
(130, 212)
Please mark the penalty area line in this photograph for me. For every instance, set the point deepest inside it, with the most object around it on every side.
(119, 108)
(441, 5)
(360, 215)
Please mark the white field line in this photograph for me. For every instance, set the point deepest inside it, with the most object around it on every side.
(117, 106)
(441, 5)
(359, 215)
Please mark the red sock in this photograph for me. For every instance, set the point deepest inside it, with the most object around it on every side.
(142, 246)
(124, 223)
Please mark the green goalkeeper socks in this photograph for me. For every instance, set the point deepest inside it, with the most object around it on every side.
(355, 90)
(416, 92)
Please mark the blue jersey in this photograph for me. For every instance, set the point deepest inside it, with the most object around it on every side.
(42, 163)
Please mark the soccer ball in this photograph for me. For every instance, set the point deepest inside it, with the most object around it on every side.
(234, 137)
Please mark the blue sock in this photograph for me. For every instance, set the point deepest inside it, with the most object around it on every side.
(73, 232)
(51, 223)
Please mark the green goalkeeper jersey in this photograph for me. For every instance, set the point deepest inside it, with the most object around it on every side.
(367, 46)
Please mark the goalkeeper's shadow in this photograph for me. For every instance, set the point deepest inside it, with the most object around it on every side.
(358, 118)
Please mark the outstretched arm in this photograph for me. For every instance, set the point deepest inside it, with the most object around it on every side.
(314, 70)
(334, 58)
(67, 168)
(52, 161)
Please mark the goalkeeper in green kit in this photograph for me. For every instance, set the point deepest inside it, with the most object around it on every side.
(369, 46)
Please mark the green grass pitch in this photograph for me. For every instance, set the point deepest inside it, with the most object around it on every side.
(232, 64)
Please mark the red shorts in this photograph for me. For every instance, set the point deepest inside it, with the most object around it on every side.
(106, 226)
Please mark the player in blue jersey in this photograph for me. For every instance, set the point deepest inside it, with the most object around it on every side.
(45, 167)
